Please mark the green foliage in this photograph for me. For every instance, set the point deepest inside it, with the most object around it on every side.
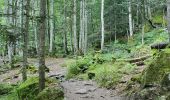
(109, 74)
(8, 92)
(5, 89)
(156, 70)
(28, 89)
(51, 93)
(77, 67)
(158, 19)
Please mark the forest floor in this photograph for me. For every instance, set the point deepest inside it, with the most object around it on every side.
(74, 89)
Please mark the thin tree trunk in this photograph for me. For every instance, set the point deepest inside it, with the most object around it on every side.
(130, 19)
(51, 25)
(102, 25)
(65, 30)
(75, 27)
(81, 26)
(85, 27)
(168, 17)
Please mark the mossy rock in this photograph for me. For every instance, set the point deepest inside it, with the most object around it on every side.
(28, 89)
(157, 69)
(166, 81)
(50, 93)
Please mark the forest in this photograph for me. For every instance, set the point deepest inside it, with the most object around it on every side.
(84, 49)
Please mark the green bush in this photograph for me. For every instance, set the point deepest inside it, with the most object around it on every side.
(5, 89)
(28, 89)
(77, 67)
(50, 93)
(109, 74)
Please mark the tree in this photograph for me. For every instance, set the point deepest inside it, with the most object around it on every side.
(75, 26)
(102, 24)
(25, 36)
(168, 17)
(130, 19)
(51, 25)
(41, 33)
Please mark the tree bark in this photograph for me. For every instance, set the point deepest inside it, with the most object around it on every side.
(130, 19)
(168, 17)
(102, 25)
(26, 39)
(75, 27)
(41, 33)
(51, 25)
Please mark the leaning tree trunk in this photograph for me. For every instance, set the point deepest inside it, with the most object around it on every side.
(41, 33)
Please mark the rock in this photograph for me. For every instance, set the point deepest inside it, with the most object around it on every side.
(92, 89)
(166, 81)
(88, 83)
(15, 76)
(81, 91)
(156, 70)
(72, 80)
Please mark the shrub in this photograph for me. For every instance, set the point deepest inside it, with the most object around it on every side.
(109, 74)
(28, 89)
(77, 67)
(5, 89)
(50, 93)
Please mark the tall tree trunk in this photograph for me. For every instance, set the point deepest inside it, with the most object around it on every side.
(102, 25)
(168, 17)
(65, 29)
(81, 26)
(85, 27)
(11, 41)
(75, 27)
(25, 36)
(130, 19)
(41, 33)
(51, 25)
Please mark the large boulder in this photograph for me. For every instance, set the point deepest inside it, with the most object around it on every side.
(155, 73)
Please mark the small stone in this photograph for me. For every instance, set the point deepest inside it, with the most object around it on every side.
(15, 76)
(71, 80)
(81, 91)
(88, 83)
(92, 89)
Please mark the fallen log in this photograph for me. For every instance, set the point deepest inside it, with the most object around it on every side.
(134, 60)
(161, 45)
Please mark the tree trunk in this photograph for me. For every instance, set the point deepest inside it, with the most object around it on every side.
(65, 30)
(25, 36)
(81, 26)
(168, 17)
(102, 25)
(75, 27)
(130, 19)
(41, 33)
(51, 25)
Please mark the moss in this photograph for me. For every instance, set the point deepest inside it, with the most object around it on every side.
(136, 78)
(156, 70)
(28, 89)
(158, 19)
(50, 93)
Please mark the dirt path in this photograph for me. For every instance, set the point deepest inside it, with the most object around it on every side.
(73, 89)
